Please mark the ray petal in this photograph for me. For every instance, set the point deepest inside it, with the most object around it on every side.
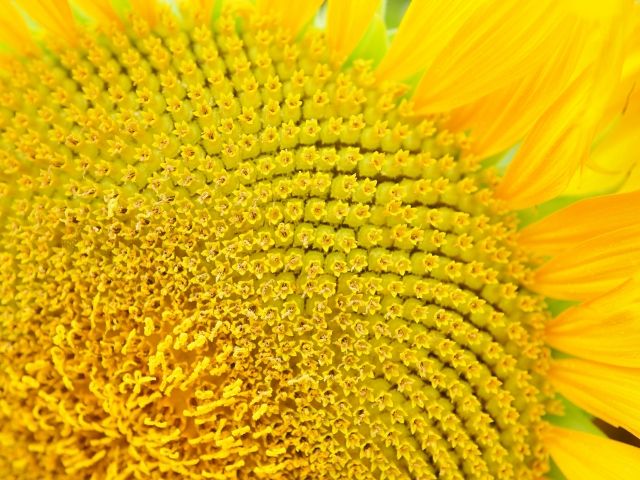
(606, 391)
(147, 9)
(426, 29)
(615, 153)
(582, 456)
(500, 44)
(581, 221)
(632, 182)
(561, 139)
(605, 329)
(291, 15)
(101, 11)
(346, 24)
(502, 118)
(53, 15)
(592, 267)
(13, 30)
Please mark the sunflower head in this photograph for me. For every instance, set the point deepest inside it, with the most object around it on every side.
(234, 244)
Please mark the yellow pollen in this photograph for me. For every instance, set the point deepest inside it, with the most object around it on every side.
(222, 258)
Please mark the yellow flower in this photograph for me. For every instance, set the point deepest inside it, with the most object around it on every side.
(234, 244)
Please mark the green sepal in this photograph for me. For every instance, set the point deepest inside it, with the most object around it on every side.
(556, 307)
(394, 12)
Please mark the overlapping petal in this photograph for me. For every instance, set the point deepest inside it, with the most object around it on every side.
(347, 23)
(52, 15)
(425, 31)
(561, 139)
(607, 391)
(592, 267)
(605, 329)
(582, 456)
(501, 43)
(13, 30)
(291, 15)
(581, 222)
(101, 11)
(500, 119)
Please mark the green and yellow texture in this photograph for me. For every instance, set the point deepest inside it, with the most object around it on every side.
(234, 245)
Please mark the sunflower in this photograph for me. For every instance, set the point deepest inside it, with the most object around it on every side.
(289, 240)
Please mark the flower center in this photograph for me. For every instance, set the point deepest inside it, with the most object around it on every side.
(223, 257)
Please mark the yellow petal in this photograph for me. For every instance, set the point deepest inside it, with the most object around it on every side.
(501, 43)
(581, 221)
(201, 11)
(53, 15)
(595, 180)
(13, 30)
(206, 8)
(346, 24)
(147, 9)
(502, 118)
(632, 182)
(606, 329)
(620, 100)
(551, 152)
(606, 391)
(592, 267)
(560, 141)
(615, 153)
(291, 15)
(425, 30)
(582, 456)
(101, 11)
